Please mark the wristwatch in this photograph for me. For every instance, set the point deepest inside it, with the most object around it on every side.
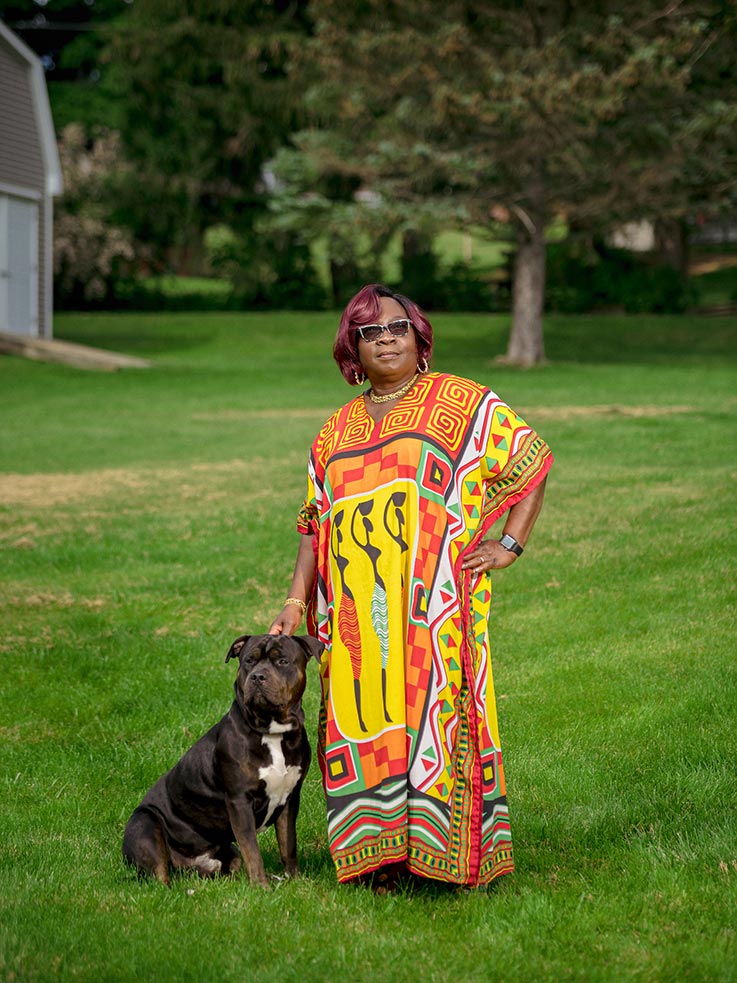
(511, 544)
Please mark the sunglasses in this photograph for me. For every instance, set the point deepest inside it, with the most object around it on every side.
(397, 329)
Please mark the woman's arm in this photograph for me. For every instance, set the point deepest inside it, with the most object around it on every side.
(290, 617)
(490, 554)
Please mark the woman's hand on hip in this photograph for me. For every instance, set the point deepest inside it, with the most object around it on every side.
(489, 554)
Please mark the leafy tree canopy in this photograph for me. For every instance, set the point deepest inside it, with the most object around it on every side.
(70, 37)
(535, 110)
(207, 99)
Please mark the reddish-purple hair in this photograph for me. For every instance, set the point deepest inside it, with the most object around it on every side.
(364, 308)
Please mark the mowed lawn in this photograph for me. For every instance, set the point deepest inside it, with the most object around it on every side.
(147, 518)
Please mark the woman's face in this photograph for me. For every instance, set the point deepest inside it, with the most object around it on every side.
(389, 359)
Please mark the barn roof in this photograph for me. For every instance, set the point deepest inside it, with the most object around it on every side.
(52, 166)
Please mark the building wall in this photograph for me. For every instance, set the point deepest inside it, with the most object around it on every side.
(22, 173)
(45, 267)
(21, 155)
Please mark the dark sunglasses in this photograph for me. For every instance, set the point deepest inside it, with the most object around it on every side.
(397, 329)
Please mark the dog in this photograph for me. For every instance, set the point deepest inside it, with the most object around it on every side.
(243, 775)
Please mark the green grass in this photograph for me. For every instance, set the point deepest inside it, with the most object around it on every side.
(172, 286)
(148, 517)
(717, 286)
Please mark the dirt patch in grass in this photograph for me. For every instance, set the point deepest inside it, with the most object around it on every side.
(611, 409)
(62, 599)
(271, 414)
(547, 412)
(40, 490)
(708, 264)
(257, 478)
(206, 481)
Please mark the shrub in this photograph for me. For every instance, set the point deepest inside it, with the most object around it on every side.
(419, 270)
(569, 284)
(581, 278)
(462, 288)
(91, 253)
(265, 271)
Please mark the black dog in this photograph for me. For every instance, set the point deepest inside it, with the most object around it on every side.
(243, 775)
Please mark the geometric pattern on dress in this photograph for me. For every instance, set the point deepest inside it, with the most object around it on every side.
(372, 762)
(489, 771)
(504, 424)
(432, 818)
(434, 474)
(463, 393)
(432, 762)
(523, 470)
(447, 426)
(496, 844)
(432, 771)
(357, 425)
(427, 546)
(367, 831)
(340, 767)
(455, 401)
(326, 438)
(352, 475)
(405, 417)
(418, 673)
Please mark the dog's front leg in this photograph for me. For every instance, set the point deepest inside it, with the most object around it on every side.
(243, 824)
(285, 828)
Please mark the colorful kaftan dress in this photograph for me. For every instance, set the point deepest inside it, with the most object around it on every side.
(408, 744)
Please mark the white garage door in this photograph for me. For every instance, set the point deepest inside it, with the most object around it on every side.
(18, 266)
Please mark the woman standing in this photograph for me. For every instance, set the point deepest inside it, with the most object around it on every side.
(404, 483)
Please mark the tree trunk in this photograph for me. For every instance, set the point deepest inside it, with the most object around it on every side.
(528, 293)
(671, 241)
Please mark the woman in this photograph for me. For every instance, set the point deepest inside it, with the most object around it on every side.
(404, 483)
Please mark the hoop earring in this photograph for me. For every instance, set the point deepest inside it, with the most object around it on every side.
(359, 381)
(420, 369)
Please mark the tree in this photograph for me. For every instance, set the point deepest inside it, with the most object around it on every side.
(318, 198)
(596, 113)
(201, 95)
(207, 99)
(70, 38)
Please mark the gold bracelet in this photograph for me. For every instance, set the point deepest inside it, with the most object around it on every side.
(295, 600)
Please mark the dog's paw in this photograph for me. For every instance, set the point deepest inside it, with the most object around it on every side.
(288, 875)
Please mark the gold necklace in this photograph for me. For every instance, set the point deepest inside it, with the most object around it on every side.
(395, 395)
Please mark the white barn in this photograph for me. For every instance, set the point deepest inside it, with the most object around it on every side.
(30, 176)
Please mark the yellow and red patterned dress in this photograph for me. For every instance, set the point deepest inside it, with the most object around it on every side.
(409, 744)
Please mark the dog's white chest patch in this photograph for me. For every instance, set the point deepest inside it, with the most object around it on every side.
(280, 778)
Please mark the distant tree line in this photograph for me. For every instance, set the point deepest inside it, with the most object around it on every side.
(235, 136)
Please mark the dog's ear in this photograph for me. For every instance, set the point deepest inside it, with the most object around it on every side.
(312, 646)
(235, 648)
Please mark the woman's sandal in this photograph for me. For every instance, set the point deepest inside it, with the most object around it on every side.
(387, 879)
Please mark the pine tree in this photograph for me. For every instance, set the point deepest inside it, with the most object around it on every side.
(536, 110)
